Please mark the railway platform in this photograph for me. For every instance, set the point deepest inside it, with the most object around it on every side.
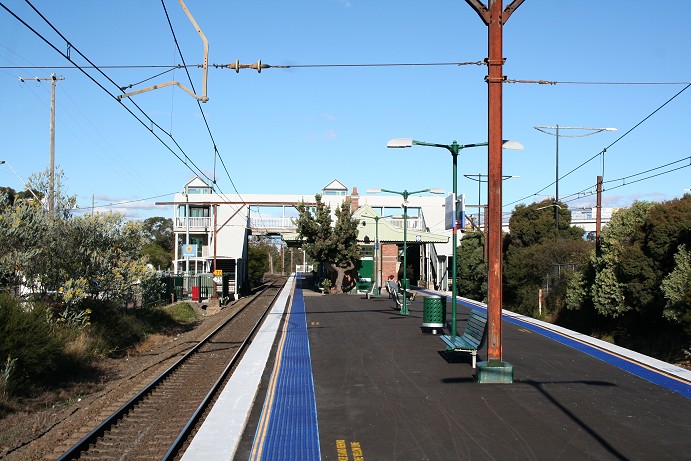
(346, 378)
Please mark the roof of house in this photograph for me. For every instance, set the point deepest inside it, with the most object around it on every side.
(385, 231)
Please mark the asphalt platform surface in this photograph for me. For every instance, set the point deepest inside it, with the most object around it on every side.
(386, 391)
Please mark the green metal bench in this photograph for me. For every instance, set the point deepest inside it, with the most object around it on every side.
(473, 337)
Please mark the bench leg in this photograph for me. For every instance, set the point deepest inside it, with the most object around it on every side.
(474, 354)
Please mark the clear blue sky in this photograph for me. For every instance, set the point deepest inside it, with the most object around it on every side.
(294, 130)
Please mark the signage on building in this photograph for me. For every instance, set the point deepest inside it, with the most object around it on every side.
(189, 250)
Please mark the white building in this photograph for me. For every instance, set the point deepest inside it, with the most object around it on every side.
(212, 230)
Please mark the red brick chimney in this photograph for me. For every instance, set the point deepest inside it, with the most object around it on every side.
(354, 200)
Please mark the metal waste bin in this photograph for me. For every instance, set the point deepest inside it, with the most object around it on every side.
(434, 313)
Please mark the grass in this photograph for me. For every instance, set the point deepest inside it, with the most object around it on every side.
(51, 356)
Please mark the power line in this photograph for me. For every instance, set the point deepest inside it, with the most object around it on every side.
(554, 82)
(604, 150)
(126, 202)
(67, 56)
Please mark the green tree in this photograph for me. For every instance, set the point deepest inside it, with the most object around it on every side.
(159, 231)
(538, 257)
(158, 241)
(471, 267)
(335, 245)
(157, 256)
(535, 223)
(622, 262)
(676, 288)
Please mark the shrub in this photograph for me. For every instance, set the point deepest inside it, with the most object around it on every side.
(28, 343)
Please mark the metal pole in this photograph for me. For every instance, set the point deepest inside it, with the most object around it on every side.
(215, 208)
(454, 154)
(404, 309)
(556, 185)
(598, 216)
(495, 81)
(376, 257)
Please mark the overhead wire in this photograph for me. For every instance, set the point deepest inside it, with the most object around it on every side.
(589, 191)
(49, 43)
(126, 202)
(604, 150)
(201, 110)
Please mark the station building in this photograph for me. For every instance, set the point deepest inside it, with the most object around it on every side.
(212, 231)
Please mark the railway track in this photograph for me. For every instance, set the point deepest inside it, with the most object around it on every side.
(156, 422)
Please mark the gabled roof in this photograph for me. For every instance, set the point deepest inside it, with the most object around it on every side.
(335, 185)
(196, 182)
(387, 232)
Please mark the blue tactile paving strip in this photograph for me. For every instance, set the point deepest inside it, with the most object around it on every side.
(655, 371)
(288, 427)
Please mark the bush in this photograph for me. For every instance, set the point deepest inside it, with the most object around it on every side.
(29, 350)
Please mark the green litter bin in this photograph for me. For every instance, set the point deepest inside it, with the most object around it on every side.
(434, 313)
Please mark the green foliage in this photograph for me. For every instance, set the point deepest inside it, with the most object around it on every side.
(333, 245)
(157, 256)
(623, 272)
(471, 268)
(181, 313)
(28, 341)
(676, 287)
(257, 264)
(152, 289)
(640, 283)
(159, 231)
(533, 224)
(540, 257)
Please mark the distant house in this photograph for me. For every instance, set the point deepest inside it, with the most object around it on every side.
(212, 231)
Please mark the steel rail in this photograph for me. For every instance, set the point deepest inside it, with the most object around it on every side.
(83, 444)
(182, 437)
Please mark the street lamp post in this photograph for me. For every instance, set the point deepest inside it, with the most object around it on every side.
(454, 148)
(3, 162)
(479, 180)
(405, 194)
(589, 132)
(375, 291)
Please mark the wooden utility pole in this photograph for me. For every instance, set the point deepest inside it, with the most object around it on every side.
(494, 17)
(598, 216)
(51, 192)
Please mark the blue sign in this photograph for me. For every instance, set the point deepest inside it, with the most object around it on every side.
(189, 250)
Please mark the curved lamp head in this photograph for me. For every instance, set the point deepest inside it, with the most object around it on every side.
(511, 144)
(400, 142)
(374, 191)
(436, 191)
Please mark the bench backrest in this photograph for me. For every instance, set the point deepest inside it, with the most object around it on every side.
(476, 327)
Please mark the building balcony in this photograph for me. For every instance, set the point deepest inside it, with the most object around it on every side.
(194, 223)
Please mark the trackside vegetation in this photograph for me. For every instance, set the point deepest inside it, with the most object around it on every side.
(634, 290)
(75, 289)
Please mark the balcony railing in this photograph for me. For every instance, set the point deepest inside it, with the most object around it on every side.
(272, 223)
(195, 223)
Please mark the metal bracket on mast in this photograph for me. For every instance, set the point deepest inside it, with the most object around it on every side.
(205, 67)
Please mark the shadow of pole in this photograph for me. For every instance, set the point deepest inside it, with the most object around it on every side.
(601, 440)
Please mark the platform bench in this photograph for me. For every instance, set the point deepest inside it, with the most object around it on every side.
(473, 337)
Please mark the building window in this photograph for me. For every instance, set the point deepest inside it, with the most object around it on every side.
(198, 190)
(366, 251)
(334, 192)
(199, 212)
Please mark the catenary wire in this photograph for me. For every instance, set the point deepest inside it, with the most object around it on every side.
(104, 89)
(604, 150)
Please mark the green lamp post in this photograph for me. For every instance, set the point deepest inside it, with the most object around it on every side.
(405, 194)
(454, 148)
(376, 218)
